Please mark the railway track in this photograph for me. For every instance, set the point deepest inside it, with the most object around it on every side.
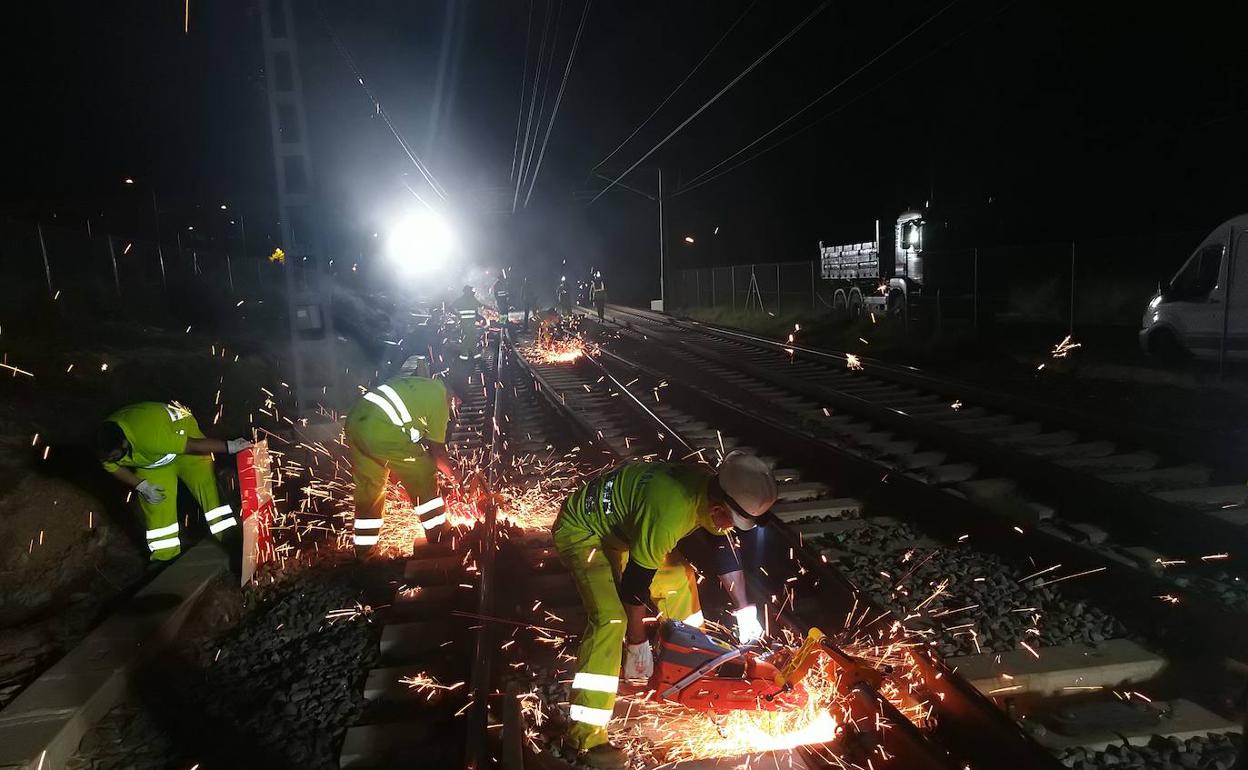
(726, 381)
(475, 636)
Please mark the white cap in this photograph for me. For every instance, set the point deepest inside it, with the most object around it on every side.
(749, 484)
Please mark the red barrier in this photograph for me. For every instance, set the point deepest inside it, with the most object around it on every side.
(256, 489)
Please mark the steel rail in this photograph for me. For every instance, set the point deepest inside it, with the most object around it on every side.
(476, 755)
(974, 712)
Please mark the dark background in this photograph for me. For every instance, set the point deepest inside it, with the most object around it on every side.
(1015, 122)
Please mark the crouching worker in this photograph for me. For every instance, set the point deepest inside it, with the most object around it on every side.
(150, 447)
(617, 535)
(399, 427)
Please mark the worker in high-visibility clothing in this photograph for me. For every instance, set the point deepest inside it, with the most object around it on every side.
(151, 446)
(563, 296)
(617, 535)
(399, 427)
(598, 293)
(468, 309)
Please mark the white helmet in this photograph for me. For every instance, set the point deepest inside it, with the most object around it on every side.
(749, 487)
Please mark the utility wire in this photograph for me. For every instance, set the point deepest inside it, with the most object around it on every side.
(715, 98)
(851, 102)
(554, 113)
(524, 82)
(541, 105)
(809, 105)
(679, 85)
(359, 78)
(528, 124)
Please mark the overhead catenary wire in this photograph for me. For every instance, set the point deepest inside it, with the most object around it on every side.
(810, 17)
(546, 90)
(827, 116)
(524, 82)
(809, 105)
(554, 113)
(528, 123)
(379, 110)
(679, 85)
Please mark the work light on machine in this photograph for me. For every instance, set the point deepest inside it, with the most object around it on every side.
(420, 243)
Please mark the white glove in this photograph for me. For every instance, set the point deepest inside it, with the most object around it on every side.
(150, 492)
(638, 661)
(236, 445)
(748, 627)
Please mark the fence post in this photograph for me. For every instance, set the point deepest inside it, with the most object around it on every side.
(712, 287)
(47, 268)
(112, 255)
(732, 282)
(697, 287)
(229, 271)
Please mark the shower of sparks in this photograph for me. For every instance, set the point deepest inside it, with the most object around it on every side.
(1064, 348)
(852, 363)
(426, 684)
(556, 351)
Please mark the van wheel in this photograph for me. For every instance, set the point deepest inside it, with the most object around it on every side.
(855, 304)
(1165, 347)
(840, 305)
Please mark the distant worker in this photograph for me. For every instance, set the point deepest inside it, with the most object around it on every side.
(502, 295)
(151, 446)
(468, 309)
(563, 296)
(526, 300)
(617, 536)
(598, 292)
(399, 427)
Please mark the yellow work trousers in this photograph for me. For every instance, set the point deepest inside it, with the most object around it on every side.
(596, 564)
(196, 473)
(375, 454)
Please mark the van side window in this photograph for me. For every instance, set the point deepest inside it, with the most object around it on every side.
(1199, 275)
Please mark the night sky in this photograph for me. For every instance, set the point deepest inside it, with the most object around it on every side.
(1016, 122)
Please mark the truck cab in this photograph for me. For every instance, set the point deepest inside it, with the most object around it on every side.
(1202, 311)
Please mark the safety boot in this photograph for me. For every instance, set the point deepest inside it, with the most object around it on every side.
(604, 756)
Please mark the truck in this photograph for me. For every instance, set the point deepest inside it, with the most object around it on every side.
(883, 276)
(1202, 311)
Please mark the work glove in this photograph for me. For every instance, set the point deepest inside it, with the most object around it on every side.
(638, 661)
(150, 492)
(236, 445)
(748, 627)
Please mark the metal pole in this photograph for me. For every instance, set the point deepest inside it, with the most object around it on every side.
(229, 271)
(1226, 303)
(713, 303)
(777, 288)
(975, 291)
(1071, 329)
(813, 292)
(112, 254)
(662, 281)
(160, 254)
(732, 272)
(47, 268)
(89, 235)
(697, 287)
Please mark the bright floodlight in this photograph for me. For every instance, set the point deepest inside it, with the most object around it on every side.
(420, 243)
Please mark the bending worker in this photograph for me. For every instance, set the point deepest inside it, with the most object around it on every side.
(399, 427)
(152, 446)
(617, 535)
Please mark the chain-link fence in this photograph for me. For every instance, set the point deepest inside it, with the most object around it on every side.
(1097, 282)
(38, 257)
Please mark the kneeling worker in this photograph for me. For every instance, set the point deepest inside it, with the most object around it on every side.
(399, 427)
(617, 535)
(163, 445)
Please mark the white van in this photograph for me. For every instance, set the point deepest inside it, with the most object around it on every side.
(1189, 314)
